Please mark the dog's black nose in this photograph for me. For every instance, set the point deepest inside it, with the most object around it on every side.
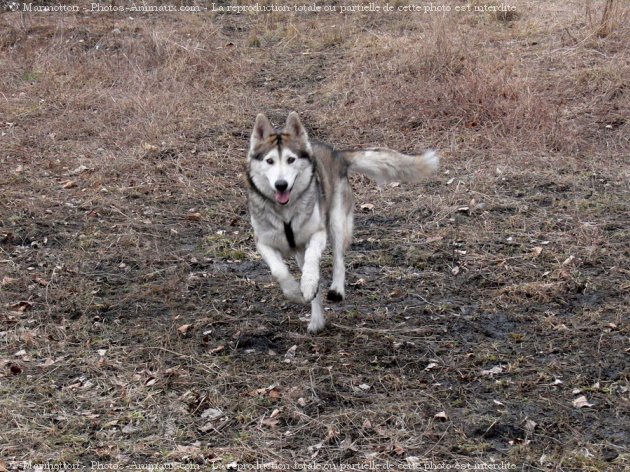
(281, 185)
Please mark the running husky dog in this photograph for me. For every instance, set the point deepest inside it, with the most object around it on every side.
(299, 193)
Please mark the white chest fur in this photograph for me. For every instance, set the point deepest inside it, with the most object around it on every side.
(288, 229)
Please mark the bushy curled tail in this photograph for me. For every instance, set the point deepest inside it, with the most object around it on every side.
(386, 165)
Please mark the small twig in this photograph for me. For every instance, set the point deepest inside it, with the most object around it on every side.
(438, 441)
(184, 356)
(489, 428)
(52, 277)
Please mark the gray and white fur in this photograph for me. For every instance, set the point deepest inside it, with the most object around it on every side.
(299, 195)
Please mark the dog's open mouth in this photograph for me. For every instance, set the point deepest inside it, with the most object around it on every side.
(283, 197)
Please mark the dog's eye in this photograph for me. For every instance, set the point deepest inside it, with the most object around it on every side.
(291, 160)
(269, 161)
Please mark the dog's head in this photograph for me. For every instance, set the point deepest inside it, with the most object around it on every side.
(280, 161)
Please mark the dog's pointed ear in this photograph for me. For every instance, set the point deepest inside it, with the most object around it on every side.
(294, 127)
(262, 129)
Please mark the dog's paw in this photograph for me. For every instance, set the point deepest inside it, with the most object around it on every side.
(292, 292)
(334, 296)
(296, 298)
(316, 324)
(309, 289)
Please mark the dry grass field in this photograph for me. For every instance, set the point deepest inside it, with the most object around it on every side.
(487, 309)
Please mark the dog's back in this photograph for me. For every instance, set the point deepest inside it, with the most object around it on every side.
(332, 173)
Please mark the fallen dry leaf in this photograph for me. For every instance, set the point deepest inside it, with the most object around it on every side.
(359, 283)
(271, 422)
(78, 170)
(150, 147)
(332, 433)
(530, 425)
(22, 306)
(7, 281)
(193, 216)
(399, 450)
(183, 329)
(130, 429)
(497, 369)
(68, 184)
(217, 349)
(41, 281)
(537, 251)
(207, 427)
(581, 402)
(187, 450)
(290, 354)
(348, 445)
(272, 391)
(367, 206)
(441, 416)
(211, 414)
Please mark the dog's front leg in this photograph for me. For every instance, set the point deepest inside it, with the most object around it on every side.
(310, 271)
(318, 320)
(281, 273)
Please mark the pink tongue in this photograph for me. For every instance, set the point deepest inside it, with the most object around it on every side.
(282, 197)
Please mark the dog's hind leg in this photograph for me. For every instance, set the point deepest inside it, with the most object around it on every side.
(318, 320)
(340, 227)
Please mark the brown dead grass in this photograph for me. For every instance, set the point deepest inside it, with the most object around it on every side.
(130, 282)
